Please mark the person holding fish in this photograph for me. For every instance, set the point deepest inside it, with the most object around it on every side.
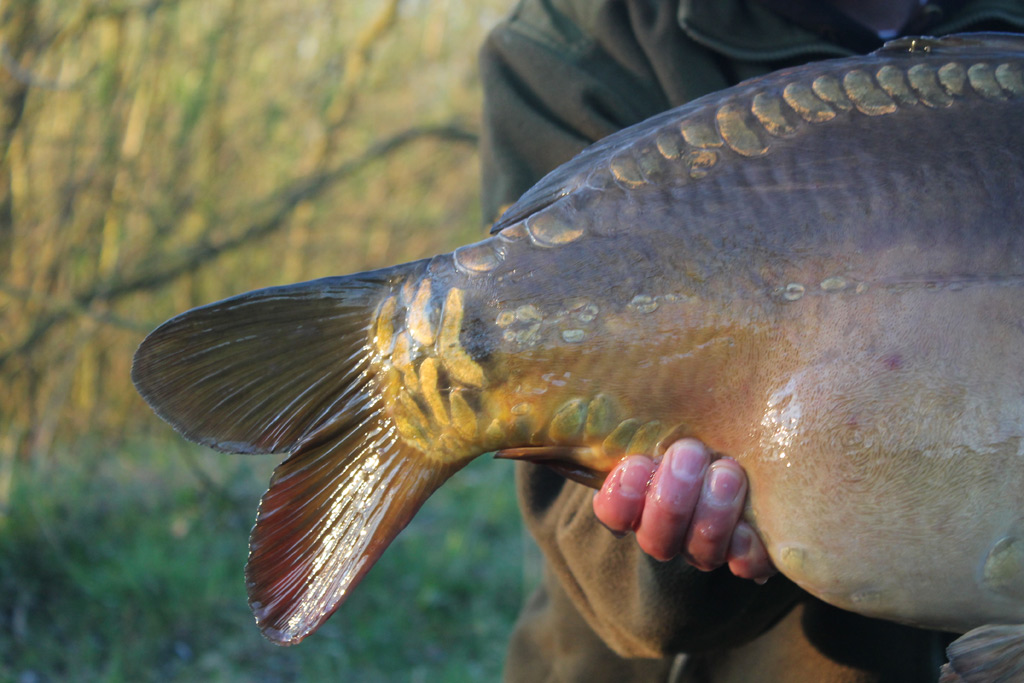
(815, 271)
(680, 590)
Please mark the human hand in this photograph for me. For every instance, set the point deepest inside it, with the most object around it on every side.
(686, 505)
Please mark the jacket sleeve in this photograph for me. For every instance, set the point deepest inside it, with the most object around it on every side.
(556, 80)
(558, 76)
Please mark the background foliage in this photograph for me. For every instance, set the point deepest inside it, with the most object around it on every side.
(160, 154)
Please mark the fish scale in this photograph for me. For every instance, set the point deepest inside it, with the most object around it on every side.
(817, 272)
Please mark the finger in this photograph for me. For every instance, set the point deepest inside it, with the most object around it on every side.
(671, 499)
(716, 515)
(620, 502)
(748, 558)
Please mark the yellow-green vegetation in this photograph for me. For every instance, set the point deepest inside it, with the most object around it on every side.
(130, 569)
(160, 154)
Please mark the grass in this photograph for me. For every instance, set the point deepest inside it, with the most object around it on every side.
(127, 566)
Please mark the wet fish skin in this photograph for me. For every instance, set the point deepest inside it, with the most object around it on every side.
(817, 272)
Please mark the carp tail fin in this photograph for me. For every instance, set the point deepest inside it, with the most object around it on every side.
(295, 369)
(257, 372)
(332, 509)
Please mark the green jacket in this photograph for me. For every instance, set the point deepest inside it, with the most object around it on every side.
(559, 75)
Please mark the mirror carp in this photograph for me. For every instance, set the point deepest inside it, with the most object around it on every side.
(819, 273)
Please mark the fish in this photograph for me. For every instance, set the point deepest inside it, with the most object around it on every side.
(818, 272)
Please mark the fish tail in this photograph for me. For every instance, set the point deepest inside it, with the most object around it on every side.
(306, 369)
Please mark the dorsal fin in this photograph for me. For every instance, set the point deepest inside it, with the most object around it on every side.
(958, 44)
(569, 177)
(993, 653)
(574, 175)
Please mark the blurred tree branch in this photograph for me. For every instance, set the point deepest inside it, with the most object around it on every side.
(25, 76)
(356, 61)
(67, 307)
(276, 211)
(17, 26)
(143, 141)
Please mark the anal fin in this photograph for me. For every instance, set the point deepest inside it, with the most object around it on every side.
(565, 460)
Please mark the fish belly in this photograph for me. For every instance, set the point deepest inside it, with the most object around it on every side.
(887, 476)
(832, 297)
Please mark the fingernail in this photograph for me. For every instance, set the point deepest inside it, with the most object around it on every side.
(723, 486)
(741, 541)
(687, 462)
(614, 532)
(611, 482)
(635, 477)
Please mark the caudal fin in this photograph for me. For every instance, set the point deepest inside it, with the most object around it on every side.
(290, 369)
(331, 510)
(259, 372)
